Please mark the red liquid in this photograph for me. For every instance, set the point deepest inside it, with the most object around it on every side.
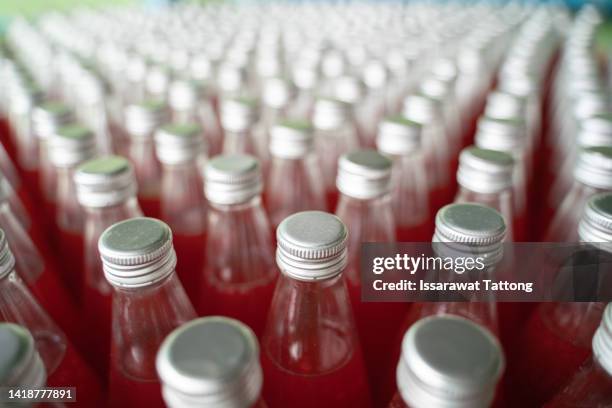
(190, 262)
(128, 393)
(73, 372)
(98, 315)
(249, 304)
(543, 364)
(6, 140)
(345, 386)
(378, 324)
(397, 402)
(590, 387)
(72, 249)
(331, 198)
(151, 207)
(416, 233)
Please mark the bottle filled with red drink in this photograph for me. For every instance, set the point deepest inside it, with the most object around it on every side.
(310, 350)
(226, 354)
(141, 122)
(239, 274)
(448, 361)
(294, 181)
(401, 140)
(181, 149)
(106, 191)
(148, 303)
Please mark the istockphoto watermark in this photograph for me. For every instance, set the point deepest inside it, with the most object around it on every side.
(519, 272)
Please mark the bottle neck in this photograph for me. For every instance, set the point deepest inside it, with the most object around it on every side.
(69, 213)
(183, 205)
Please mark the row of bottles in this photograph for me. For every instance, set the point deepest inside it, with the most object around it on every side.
(224, 136)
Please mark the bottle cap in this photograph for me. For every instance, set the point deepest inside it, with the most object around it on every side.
(137, 252)
(602, 341)
(348, 89)
(506, 135)
(421, 109)
(330, 114)
(304, 77)
(70, 145)
(48, 117)
(596, 223)
(238, 114)
(594, 167)
(276, 93)
(179, 143)
(449, 361)
(104, 182)
(157, 80)
(399, 136)
(7, 260)
(595, 131)
(231, 78)
(20, 362)
(291, 139)
(504, 105)
(485, 171)
(143, 118)
(375, 74)
(469, 230)
(211, 362)
(435, 88)
(184, 94)
(311, 246)
(232, 179)
(364, 174)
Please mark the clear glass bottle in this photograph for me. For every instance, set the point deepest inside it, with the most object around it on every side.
(71, 145)
(335, 135)
(141, 122)
(64, 366)
(106, 191)
(92, 110)
(372, 108)
(401, 140)
(148, 303)
(428, 113)
(558, 335)
(190, 102)
(447, 361)
(485, 177)
(592, 174)
(228, 352)
(294, 181)
(591, 385)
(239, 273)
(310, 350)
(181, 149)
(238, 116)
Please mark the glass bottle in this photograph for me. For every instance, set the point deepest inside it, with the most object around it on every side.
(310, 351)
(364, 182)
(64, 366)
(106, 190)
(509, 136)
(228, 352)
(428, 113)
(372, 107)
(558, 335)
(24, 367)
(70, 146)
(190, 103)
(294, 182)
(591, 386)
(401, 140)
(448, 361)
(148, 303)
(485, 177)
(181, 150)
(92, 110)
(335, 135)
(141, 122)
(592, 174)
(239, 273)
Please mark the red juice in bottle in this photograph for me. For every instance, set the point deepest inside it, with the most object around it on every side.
(591, 385)
(181, 150)
(446, 359)
(294, 181)
(141, 122)
(310, 350)
(106, 190)
(148, 303)
(230, 352)
(239, 273)
(400, 139)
